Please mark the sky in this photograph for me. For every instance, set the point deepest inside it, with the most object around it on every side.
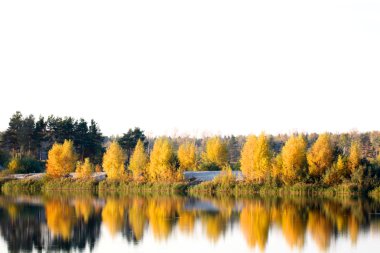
(199, 67)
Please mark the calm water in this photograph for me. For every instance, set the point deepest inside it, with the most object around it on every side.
(179, 224)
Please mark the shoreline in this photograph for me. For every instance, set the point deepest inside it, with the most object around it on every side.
(213, 188)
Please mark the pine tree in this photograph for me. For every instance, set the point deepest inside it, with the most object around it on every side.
(113, 161)
(61, 159)
(139, 160)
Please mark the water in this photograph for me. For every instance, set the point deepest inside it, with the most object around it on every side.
(182, 224)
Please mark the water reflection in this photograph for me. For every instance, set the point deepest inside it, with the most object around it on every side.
(68, 223)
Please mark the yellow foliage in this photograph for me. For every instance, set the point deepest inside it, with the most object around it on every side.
(113, 216)
(139, 160)
(83, 209)
(113, 161)
(255, 158)
(340, 164)
(137, 218)
(293, 227)
(320, 229)
(215, 225)
(187, 157)
(161, 166)
(320, 156)
(293, 156)
(161, 214)
(61, 159)
(186, 222)
(216, 152)
(84, 170)
(354, 157)
(60, 217)
(254, 222)
(276, 167)
(14, 164)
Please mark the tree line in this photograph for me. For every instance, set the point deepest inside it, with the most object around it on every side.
(276, 159)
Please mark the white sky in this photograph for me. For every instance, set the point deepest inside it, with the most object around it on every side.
(199, 66)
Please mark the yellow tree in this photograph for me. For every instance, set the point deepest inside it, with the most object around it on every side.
(354, 157)
(139, 160)
(320, 156)
(61, 159)
(293, 156)
(340, 165)
(161, 166)
(255, 158)
(187, 157)
(84, 170)
(113, 161)
(216, 152)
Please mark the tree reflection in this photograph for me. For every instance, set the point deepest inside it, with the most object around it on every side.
(60, 218)
(254, 222)
(113, 215)
(73, 223)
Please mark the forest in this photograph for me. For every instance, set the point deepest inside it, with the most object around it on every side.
(63, 145)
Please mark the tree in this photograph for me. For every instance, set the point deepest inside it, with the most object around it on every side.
(113, 161)
(61, 159)
(11, 135)
(187, 156)
(354, 157)
(216, 152)
(139, 160)
(320, 156)
(129, 140)
(293, 156)
(162, 165)
(255, 158)
(84, 170)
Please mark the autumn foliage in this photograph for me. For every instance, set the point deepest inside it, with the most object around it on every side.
(113, 161)
(61, 159)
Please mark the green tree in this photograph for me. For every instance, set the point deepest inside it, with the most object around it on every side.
(129, 140)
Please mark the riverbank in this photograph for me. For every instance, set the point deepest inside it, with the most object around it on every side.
(233, 188)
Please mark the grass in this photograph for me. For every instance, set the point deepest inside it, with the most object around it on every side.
(143, 188)
(37, 186)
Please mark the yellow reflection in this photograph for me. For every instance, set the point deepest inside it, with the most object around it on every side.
(83, 208)
(186, 222)
(60, 218)
(161, 214)
(113, 215)
(293, 226)
(215, 225)
(320, 228)
(137, 218)
(254, 222)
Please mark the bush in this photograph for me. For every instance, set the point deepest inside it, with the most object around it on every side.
(4, 158)
(25, 165)
(209, 166)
